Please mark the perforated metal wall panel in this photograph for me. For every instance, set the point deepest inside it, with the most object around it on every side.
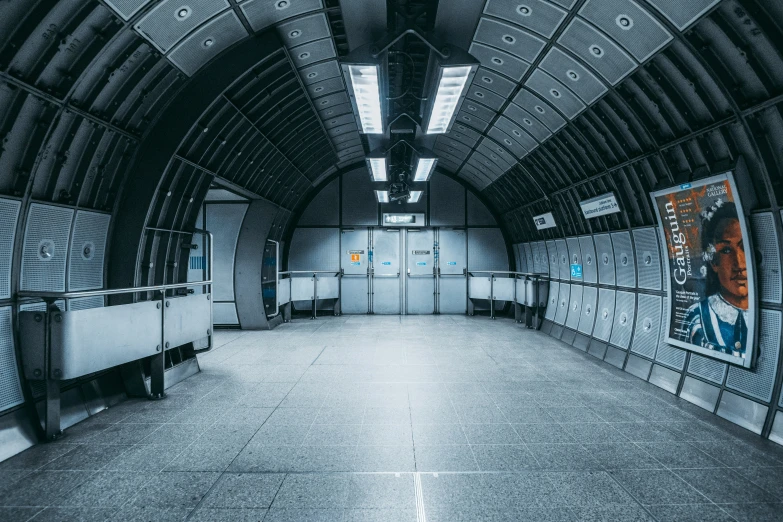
(522, 258)
(552, 302)
(10, 387)
(126, 8)
(510, 38)
(765, 243)
(499, 61)
(40, 306)
(646, 244)
(447, 201)
(315, 249)
(540, 258)
(9, 215)
(707, 368)
(648, 325)
(589, 304)
(597, 50)
(604, 255)
(624, 259)
(625, 309)
(667, 354)
(633, 27)
(487, 249)
(562, 260)
(555, 93)
(47, 234)
(225, 222)
(604, 314)
(536, 15)
(207, 42)
(527, 251)
(171, 20)
(573, 75)
(478, 213)
(683, 14)
(574, 255)
(305, 29)
(589, 261)
(554, 261)
(575, 307)
(85, 303)
(357, 190)
(759, 382)
(543, 111)
(563, 301)
(313, 52)
(88, 246)
(263, 13)
(324, 208)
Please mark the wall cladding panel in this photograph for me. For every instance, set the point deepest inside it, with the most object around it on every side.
(562, 260)
(707, 368)
(553, 259)
(624, 260)
(540, 258)
(88, 248)
(552, 302)
(315, 249)
(10, 385)
(667, 354)
(9, 215)
(646, 244)
(224, 221)
(648, 325)
(46, 240)
(563, 300)
(605, 259)
(589, 303)
(324, 208)
(767, 257)
(575, 307)
(575, 255)
(447, 202)
(625, 308)
(589, 261)
(478, 213)
(359, 203)
(760, 382)
(487, 250)
(604, 314)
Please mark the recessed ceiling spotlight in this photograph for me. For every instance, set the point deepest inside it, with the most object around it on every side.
(524, 10)
(509, 39)
(572, 75)
(209, 42)
(596, 51)
(540, 109)
(282, 4)
(296, 33)
(624, 22)
(184, 12)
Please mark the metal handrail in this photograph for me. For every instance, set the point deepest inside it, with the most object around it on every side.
(290, 272)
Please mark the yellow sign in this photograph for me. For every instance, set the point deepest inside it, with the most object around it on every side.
(355, 257)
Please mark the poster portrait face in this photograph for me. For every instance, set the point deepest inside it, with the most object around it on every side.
(711, 300)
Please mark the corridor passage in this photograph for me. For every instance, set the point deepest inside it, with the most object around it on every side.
(437, 418)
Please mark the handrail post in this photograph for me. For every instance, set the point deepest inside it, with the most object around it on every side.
(158, 361)
(52, 404)
(492, 296)
(210, 291)
(315, 295)
(537, 324)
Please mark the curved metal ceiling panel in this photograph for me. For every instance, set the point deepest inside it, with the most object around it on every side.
(555, 93)
(573, 75)
(536, 15)
(263, 13)
(169, 21)
(217, 35)
(499, 61)
(683, 14)
(509, 38)
(597, 50)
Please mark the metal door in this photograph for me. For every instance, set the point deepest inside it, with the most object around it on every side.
(420, 283)
(386, 271)
(452, 271)
(354, 262)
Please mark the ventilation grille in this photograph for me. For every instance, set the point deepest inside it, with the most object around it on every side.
(207, 42)
(667, 354)
(10, 387)
(552, 302)
(623, 320)
(540, 258)
(554, 265)
(88, 246)
(707, 368)
(604, 314)
(649, 260)
(9, 213)
(45, 247)
(576, 77)
(171, 20)
(41, 306)
(648, 325)
(597, 50)
(589, 259)
(767, 256)
(759, 382)
(624, 259)
(562, 260)
(263, 13)
(589, 298)
(575, 307)
(604, 256)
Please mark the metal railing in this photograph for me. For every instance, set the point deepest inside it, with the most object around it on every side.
(59, 345)
(298, 292)
(535, 278)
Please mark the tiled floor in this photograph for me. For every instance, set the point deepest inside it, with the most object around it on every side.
(400, 419)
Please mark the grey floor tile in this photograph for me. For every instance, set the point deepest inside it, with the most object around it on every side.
(632, 513)
(105, 489)
(593, 432)
(524, 414)
(305, 515)
(75, 514)
(42, 488)
(261, 459)
(37, 456)
(230, 434)
(589, 489)
(712, 484)
(315, 491)
(323, 458)
(517, 490)
(690, 513)
(769, 479)
(737, 454)
(340, 415)
(384, 459)
(644, 432)
(170, 489)
(244, 490)
(333, 435)
(87, 457)
(622, 455)
(381, 491)
(544, 433)
(438, 434)
(205, 514)
(298, 416)
(491, 434)
(679, 455)
(657, 487)
(385, 435)
(573, 414)
(381, 515)
(205, 457)
(445, 458)
(124, 434)
(134, 513)
(763, 512)
(18, 514)
(149, 458)
(282, 435)
(504, 457)
(564, 457)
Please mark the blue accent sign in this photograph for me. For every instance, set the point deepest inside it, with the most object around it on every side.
(387, 263)
(451, 263)
(421, 263)
(576, 271)
(356, 263)
(369, 254)
(686, 186)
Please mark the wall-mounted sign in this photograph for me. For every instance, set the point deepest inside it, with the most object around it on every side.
(403, 220)
(352, 252)
(600, 206)
(576, 271)
(356, 257)
(421, 263)
(544, 221)
(710, 269)
(420, 252)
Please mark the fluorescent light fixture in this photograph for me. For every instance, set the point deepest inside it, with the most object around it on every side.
(450, 87)
(365, 80)
(424, 168)
(382, 196)
(415, 196)
(378, 168)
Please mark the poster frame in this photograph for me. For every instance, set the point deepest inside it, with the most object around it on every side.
(753, 304)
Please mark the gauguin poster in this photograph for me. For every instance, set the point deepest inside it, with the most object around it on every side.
(711, 294)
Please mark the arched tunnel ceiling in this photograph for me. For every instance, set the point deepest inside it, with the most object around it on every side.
(574, 98)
